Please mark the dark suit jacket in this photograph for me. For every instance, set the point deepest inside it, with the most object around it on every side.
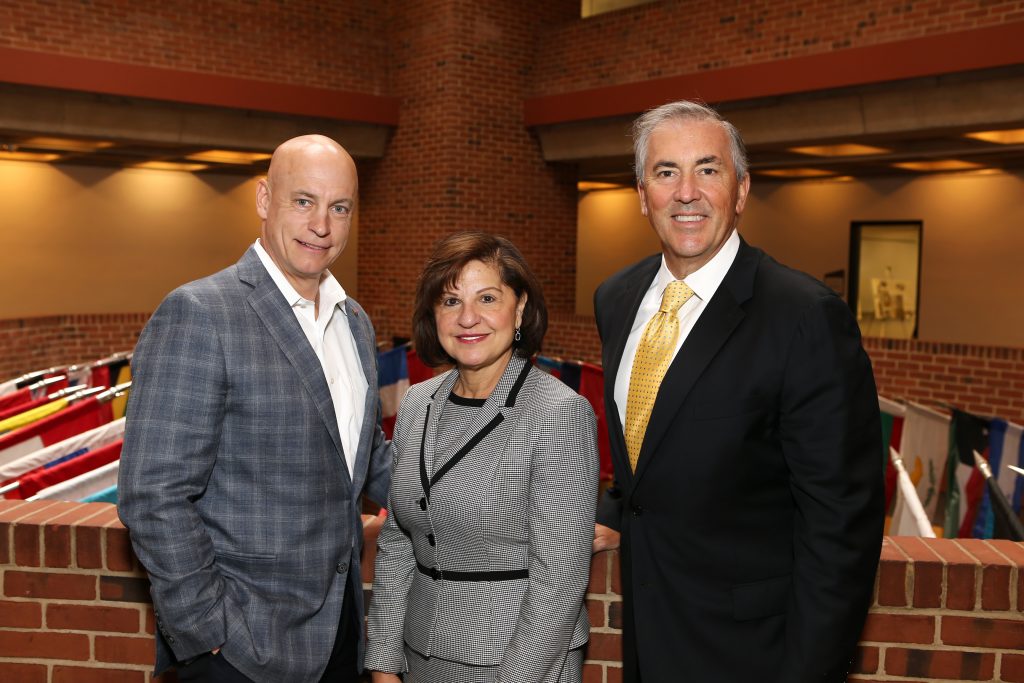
(751, 530)
(233, 482)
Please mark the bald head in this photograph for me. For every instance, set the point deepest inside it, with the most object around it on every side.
(306, 204)
(307, 149)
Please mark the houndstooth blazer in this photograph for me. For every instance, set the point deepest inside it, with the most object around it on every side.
(521, 496)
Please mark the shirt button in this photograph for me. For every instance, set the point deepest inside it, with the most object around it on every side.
(342, 567)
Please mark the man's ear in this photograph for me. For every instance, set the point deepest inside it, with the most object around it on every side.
(262, 198)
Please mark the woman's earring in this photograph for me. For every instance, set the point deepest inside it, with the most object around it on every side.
(518, 336)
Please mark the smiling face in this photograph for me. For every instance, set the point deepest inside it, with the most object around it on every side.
(306, 205)
(690, 193)
(477, 319)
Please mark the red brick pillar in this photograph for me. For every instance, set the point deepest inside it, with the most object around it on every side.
(461, 157)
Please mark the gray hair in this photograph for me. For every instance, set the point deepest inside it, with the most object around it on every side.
(684, 110)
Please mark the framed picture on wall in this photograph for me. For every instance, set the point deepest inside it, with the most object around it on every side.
(885, 277)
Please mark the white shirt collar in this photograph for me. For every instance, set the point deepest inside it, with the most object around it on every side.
(705, 280)
(331, 291)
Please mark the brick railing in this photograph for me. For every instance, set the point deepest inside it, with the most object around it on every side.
(75, 605)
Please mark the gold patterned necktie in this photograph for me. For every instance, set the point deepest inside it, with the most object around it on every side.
(653, 355)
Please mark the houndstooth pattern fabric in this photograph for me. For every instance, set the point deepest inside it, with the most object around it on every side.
(653, 355)
(522, 498)
(436, 670)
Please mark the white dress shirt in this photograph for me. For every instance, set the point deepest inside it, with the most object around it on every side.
(704, 282)
(331, 338)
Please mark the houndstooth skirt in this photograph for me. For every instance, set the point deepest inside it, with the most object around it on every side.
(435, 670)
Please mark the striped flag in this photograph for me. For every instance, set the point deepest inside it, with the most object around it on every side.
(393, 376)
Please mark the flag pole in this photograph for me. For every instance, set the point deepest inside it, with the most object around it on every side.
(1016, 529)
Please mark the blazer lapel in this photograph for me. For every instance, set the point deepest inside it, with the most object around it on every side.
(365, 347)
(716, 323)
(495, 406)
(273, 311)
(628, 301)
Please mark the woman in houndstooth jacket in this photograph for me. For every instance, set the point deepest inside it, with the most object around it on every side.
(483, 562)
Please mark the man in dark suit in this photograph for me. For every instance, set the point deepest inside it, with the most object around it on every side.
(253, 428)
(745, 435)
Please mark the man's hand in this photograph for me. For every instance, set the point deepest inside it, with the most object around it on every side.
(605, 538)
(373, 523)
(381, 677)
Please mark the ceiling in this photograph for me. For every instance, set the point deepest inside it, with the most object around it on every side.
(905, 124)
(916, 126)
(127, 154)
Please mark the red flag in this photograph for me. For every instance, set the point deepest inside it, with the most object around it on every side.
(592, 389)
(35, 481)
(85, 414)
(13, 399)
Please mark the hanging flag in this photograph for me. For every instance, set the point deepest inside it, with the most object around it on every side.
(1005, 437)
(31, 415)
(107, 495)
(1006, 524)
(592, 389)
(909, 519)
(80, 416)
(87, 440)
(37, 480)
(963, 483)
(418, 370)
(1000, 437)
(393, 379)
(82, 486)
(13, 399)
(570, 374)
(549, 365)
(924, 446)
(31, 404)
(892, 430)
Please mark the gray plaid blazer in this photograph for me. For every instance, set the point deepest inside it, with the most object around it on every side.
(521, 496)
(233, 483)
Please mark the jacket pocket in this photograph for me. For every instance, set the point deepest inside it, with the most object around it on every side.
(760, 599)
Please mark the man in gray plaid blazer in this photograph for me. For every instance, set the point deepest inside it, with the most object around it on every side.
(253, 428)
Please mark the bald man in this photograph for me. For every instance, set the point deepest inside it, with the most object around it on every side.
(253, 428)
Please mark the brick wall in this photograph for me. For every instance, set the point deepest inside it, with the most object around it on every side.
(984, 380)
(75, 607)
(676, 37)
(461, 157)
(28, 344)
(302, 42)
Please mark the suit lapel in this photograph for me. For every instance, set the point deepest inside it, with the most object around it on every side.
(495, 405)
(714, 327)
(628, 302)
(279, 320)
(360, 326)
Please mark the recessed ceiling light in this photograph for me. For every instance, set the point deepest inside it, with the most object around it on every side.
(1001, 137)
(169, 166)
(65, 144)
(796, 172)
(225, 156)
(28, 156)
(938, 165)
(589, 185)
(846, 150)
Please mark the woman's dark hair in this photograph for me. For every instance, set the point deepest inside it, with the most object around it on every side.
(442, 271)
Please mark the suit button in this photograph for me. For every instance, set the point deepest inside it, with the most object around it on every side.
(170, 639)
(637, 510)
(423, 503)
(430, 539)
(342, 567)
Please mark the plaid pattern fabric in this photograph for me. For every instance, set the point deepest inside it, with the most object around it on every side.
(523, 497)
(233, 483)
